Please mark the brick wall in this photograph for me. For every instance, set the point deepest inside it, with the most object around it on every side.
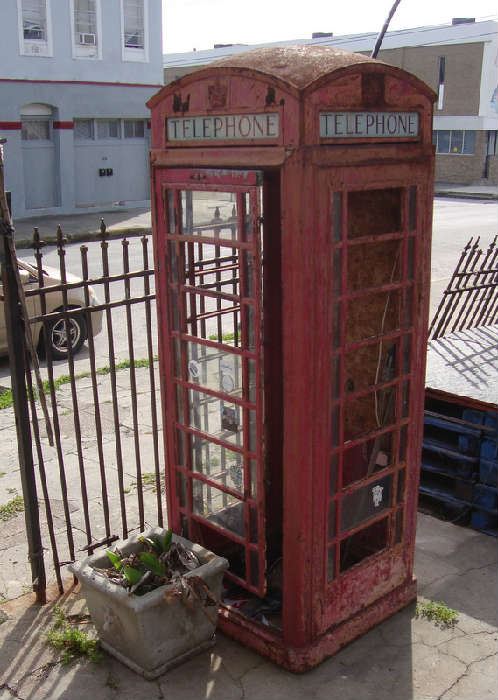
(493, 170)
(462, 73)
(463, 169)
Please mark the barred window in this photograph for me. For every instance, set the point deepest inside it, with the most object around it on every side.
(108, 129)
(455, 142)
(84, 129)
(134, 129)
(35, 130)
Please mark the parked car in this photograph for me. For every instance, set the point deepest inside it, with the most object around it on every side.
(56, 328)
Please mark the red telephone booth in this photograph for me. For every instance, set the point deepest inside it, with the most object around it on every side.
(292, 202)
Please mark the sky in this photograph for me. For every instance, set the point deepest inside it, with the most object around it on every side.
(199, 24)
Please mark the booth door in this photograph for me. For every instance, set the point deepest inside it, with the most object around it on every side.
(212, 351)
(378, 243)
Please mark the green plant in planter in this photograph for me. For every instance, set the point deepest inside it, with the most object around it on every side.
(161, 562)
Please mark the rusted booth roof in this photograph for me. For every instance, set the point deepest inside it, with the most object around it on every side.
(298, 66)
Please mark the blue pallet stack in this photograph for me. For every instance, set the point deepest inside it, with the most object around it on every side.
(459, 477)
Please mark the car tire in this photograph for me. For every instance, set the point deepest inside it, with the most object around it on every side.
(57, 338)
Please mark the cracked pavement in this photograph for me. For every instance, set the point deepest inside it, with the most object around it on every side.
(404, 658)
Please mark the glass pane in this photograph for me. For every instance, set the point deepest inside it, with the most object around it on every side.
(133, 24)
(253, 465)
(253, 432)
(383, 266)
(83, 129)
(401, 486)
(373, 315)
(209, 214)
(215, 369)
(248, 222)
(216, 417)
(217, 507)
(331, 520)
(181, 485)
(337, 271)
(364, 543)
(34, 20)
(35, 130)
(373, 212)
(330, 563)
(456, 142)
(218, 463)
(367, 458)
(370, 365)
(407, 342)
(443, 141)
(254, 560)
(412, 209)
(368, 413)
(469, 143)
(84, 19)
(337, 216)
(334, 469)
(398, 535)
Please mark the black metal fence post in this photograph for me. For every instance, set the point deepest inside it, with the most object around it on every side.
(17, 357)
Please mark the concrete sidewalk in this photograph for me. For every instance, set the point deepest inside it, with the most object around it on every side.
(82, 227)
(405, 658)
(444, 189)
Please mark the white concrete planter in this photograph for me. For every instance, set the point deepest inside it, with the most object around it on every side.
(149, 633)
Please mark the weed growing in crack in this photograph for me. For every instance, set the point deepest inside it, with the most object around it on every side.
(437, 612)
(71, 641)
(11, 508)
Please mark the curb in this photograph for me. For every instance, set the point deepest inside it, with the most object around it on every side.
(85, 236)
(467, 195)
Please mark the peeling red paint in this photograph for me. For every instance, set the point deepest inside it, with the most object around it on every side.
(346, 251)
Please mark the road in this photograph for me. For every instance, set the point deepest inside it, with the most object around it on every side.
(455, 221)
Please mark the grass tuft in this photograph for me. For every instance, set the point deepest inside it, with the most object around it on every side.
(7, 400)
(70, 641)
(12, 508)
(437, 612)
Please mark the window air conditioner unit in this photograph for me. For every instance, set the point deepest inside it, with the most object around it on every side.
(87, 39)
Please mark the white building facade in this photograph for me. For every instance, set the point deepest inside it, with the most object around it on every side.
(74, 79)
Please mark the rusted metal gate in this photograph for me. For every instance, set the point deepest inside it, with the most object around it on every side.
(471, 297)
(101, 477)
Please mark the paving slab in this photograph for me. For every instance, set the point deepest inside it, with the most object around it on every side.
(404, 658)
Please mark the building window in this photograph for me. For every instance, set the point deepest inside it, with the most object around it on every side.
(133, 24)
(134, 19)
(454, 142)
(86, 28)
(35, 130)
(108, 129)
(85, 22)
(34, 20)
(34, 27)
(84, 129)
(134, 129)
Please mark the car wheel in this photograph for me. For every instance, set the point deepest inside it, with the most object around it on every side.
(57, 336)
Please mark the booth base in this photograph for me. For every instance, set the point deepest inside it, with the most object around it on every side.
(300, 659)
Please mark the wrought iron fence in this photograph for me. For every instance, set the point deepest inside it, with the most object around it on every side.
(471, 297)
(94, 459)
